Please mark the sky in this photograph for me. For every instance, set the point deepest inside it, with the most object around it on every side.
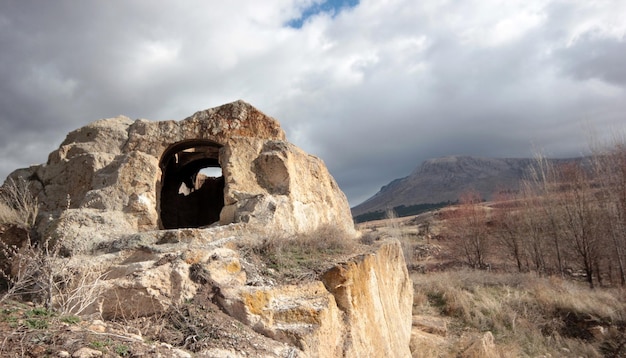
(373, 87)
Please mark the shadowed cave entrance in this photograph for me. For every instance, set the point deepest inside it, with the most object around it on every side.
(192, 192)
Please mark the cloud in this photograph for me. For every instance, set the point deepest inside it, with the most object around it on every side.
(372, 87)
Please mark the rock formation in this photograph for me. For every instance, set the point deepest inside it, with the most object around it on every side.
(446, 179)
(130, 204)
(121, 176)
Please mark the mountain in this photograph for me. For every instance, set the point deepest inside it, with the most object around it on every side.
(444, 179)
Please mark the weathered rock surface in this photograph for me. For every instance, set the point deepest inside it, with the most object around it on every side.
(428, 336)
(131, 209)
(361, 288)
(356, 309)
(305, 316)
(120, 176)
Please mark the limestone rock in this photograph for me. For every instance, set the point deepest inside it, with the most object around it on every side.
(117, 175)
(426, 345)
(368, 299)
(131, 205)
(86, 352)
(305, 316)
(143, 286)
(370, 291)
(430, 324)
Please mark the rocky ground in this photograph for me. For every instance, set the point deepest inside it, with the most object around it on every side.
(197, 328)
(456, 313)
(283, 309)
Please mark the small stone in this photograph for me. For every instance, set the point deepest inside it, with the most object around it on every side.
(63, 354)
(86, 352)
(97, 328)
(179, 353)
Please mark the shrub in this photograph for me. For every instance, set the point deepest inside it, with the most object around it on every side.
(39, 273)
(18, 205)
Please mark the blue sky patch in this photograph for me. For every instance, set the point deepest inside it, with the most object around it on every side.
(333, 7)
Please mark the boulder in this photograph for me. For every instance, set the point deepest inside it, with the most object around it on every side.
(359, 308)
(305, 316)
(426, 345)
(122, 176)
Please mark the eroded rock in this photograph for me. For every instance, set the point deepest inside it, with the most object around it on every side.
(128, 202)
(122, 176)
(369, 291)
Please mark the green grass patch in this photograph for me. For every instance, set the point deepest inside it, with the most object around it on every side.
(122, 350)
(70, 319)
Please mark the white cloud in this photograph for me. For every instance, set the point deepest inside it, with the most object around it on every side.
(373, 89)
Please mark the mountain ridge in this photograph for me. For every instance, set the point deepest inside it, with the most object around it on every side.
(444, 179)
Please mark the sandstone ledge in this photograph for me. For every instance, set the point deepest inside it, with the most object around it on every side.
(359, 307)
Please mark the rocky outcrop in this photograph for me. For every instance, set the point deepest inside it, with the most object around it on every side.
(368, 299)
(361, 288)
(359, 308)
(120, 176)
(141, 231)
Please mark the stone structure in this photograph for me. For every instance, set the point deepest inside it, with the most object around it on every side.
(130, 203)
(122, 176)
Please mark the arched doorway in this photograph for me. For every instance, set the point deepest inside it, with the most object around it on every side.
(192, 185)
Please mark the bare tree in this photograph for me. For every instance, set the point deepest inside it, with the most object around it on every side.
(506, 227)
(544, 184)
(533, 226)
(580, 214)
(609, 165)
(471, 229)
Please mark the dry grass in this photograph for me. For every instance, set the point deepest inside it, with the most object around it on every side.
(528, 315)
(37, 270)
(39, 273)
(17, 204)
(301, 257)
(8, 215)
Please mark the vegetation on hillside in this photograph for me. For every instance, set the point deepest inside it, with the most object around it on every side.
(540, 270)
(568, 220)
(528, 315)
(401, 211)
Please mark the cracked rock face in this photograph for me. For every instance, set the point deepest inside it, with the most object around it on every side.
(120, 176)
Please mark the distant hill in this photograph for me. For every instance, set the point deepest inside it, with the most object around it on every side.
(442, 180)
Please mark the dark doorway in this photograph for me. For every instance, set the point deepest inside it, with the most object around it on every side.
(192, 192)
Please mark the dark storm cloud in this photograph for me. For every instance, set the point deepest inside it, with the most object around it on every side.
(596, 58)
(372, 88)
